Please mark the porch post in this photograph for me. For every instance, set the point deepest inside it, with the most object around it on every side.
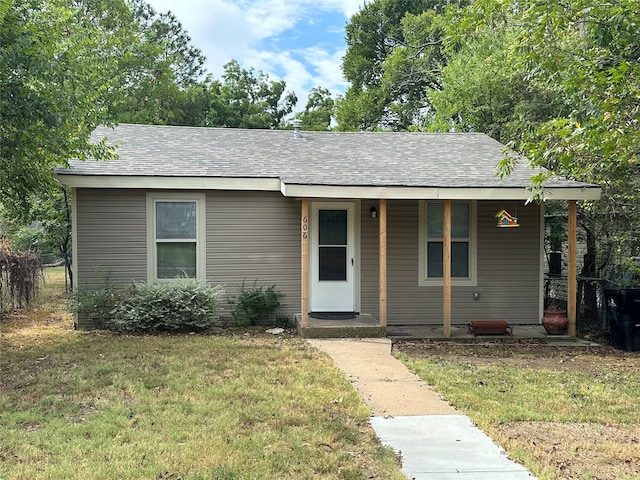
(304, 280)
(446, 271)
(383, 262)
(572, 279)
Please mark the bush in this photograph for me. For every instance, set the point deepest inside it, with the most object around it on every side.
(179, 305)
(256, 305)
(94, 306)
(284, 320)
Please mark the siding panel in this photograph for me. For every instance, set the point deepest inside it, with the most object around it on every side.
(111, 237)
(254, 237)
(508, 269)
(369, 263)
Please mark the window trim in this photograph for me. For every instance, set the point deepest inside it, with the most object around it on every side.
(152, 252)
(472, 280)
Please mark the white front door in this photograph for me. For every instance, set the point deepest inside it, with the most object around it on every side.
(332, 257)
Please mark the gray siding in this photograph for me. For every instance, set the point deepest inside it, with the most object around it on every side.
(111, 234)
(508, 265)
(369, 261)
(254, 236)
(508, 268)
(250, 236)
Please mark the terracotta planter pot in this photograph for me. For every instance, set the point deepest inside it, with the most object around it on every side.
(555, 321)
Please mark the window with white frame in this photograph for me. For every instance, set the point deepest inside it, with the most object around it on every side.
(463, 243)
(175, 236)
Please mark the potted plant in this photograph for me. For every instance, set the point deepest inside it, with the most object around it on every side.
(554, 319)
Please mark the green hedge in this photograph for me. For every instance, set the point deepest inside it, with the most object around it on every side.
(177, 305)
(256, 305)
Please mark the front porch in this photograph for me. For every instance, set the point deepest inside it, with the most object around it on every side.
(501, 265)
(367, 326)
(363, 326)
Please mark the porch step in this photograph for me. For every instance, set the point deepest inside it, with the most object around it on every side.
(363, 326)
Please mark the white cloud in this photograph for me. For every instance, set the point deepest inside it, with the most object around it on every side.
(250, 31)
(327, 65)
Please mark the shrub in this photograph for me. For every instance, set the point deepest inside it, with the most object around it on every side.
(95, 306)
(255, 305)
(178, 305)
(284, 320)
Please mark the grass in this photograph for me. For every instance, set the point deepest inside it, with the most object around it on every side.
(76, 405)
(499, 393)
(578, 419)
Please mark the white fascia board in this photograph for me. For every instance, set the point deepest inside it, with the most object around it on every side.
(558, 193)
(584, 193)
(174, 183)
(322, 191)
(346, 191)
(433, 193)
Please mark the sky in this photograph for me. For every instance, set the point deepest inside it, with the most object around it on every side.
(299, 41)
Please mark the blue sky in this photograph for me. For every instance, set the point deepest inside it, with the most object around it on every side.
(300, 41)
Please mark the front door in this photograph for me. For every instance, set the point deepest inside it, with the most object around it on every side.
(332, 257)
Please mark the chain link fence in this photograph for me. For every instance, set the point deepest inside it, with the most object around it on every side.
(590, 302)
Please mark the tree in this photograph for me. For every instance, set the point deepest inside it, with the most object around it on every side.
(573, 68)
(371, 35)
(248, 99)
(318, 111)
(52, 84)
(159, 70)
(393, 55)
(592, 53)
(482, 89)
(51, 209)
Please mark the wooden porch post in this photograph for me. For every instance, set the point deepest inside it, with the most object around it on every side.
(304, 280)
(383, 262)
(446, 271)
(572, 279)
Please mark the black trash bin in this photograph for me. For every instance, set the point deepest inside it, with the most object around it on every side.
(623, 312)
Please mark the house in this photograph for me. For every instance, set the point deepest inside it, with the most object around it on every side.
(398, 226)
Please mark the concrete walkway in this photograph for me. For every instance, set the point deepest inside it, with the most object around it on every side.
(434, 440)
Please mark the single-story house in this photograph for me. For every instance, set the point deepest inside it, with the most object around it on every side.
(404, 227)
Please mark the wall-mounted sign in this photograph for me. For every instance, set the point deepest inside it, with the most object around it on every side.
(505, 219)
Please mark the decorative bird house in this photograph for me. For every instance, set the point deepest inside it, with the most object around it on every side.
(505, 219)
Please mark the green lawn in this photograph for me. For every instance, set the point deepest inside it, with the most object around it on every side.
(95, 405)
(564, 412)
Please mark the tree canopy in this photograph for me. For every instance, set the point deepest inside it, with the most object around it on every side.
(558, 82)
(393, 55)
(52, 92)
(67, 66)
(319, 110)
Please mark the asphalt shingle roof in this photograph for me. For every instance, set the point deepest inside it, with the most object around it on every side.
(457, 160)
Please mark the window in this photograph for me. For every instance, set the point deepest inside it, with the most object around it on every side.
(332, 245)
(463, 248)
(175, 236)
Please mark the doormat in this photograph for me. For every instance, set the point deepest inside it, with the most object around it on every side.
(399, 334)
(333, 315)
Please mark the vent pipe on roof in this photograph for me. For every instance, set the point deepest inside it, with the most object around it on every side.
(297, 128)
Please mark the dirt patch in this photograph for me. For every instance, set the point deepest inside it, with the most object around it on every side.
(579, 450)
(572, 450)
(526, 353)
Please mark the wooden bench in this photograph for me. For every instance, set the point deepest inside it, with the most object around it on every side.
(490, 327)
